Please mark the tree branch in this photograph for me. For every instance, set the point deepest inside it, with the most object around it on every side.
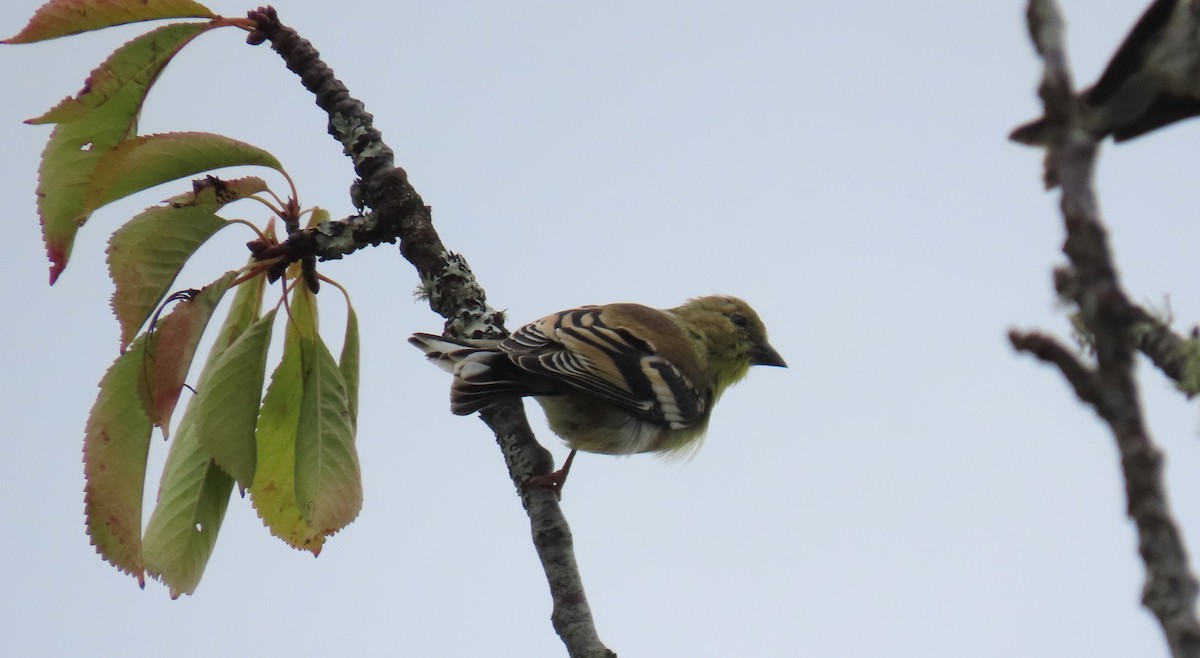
(1109, 387)
(1050, 350)
(397, 212)
(1175, 356)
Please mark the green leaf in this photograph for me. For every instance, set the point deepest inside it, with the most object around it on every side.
(328, 480)
(171, 347)
(227, 432)
(349, 361)
(274, 489)
(229, 394)
(91, 124)
(146, 254)
(245, 309)
(67, 162)
(192, 498)
(127, 75)
(115, 445)
(194, 491)
(60, 18)
(143, 162)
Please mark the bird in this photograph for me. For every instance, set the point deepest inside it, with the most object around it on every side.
(1153, 79)
(616, 379)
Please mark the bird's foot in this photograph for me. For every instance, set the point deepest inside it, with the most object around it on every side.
(553, 481)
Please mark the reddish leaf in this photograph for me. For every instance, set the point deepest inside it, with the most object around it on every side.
(90, 125)
(115, 446)
(172, 345)
(60, 18)
(126, 76)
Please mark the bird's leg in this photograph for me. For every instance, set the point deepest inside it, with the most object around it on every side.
(554, 480)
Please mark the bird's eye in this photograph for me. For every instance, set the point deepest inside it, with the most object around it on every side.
(738, 319)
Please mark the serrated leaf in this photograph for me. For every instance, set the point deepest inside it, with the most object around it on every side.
(171, 347)
(328, 479)
(194, 491)
(115, 446)
(229, 394)
(99, 118)
(126, 76)
(243, 311)
(273, 492)
(60, 18)
(143, 162)
(67, 162)
(146, 254)
(348, 363)
(192, 498)
(274, 489)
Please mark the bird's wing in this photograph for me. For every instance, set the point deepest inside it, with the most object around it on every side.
(613, 363)
(1131, 55)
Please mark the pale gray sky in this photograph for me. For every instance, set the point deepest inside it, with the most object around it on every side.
(909, 487)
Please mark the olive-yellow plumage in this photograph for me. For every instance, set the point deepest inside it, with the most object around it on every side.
(614, 379)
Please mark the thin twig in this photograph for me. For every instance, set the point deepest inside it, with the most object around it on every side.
(1109, 386)
(397, 212)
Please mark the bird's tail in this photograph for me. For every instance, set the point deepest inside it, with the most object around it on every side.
(482, 374)
(445, 353)
(1034, 133)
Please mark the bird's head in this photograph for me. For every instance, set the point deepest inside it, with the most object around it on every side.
(733, 335)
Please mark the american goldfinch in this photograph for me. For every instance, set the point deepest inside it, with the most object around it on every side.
(1153, 79)
(617, 379)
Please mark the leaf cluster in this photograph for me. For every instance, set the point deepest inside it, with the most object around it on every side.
(293, 449)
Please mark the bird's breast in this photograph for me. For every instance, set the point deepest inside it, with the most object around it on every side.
(592, 425)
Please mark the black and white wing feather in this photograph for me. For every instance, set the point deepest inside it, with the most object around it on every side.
(613, 363)
(1150, 82)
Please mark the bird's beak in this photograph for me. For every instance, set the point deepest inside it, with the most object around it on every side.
(765, 355)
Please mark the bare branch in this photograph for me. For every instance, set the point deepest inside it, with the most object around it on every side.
(1049, 349)
(1108, 315)
(572, 617)
(399, 213)
(1056, 89)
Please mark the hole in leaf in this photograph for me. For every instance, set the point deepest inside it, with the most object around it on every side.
(86, 146)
